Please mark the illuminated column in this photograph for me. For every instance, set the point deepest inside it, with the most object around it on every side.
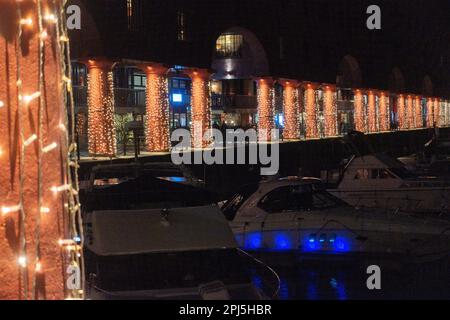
(38, 183)
(409, 112)
(418, 122)
(436, 111)
(430, 111)
(265, 108)
(360, 112)
(312, 131)
(447, 113)
(200, 106)
(371, 111)
(157, 108)
(101, 130)
(330, 110)
(291, 109)
(401, 112)
(384, 111)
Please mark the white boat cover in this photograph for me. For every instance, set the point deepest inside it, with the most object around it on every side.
(127, 232)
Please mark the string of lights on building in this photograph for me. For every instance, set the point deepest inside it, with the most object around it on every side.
(38, 183)
(157, 131)
(330, 111)
(101, 130)
(266, 108)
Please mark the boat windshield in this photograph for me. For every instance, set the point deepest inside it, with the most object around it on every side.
(158, 271)
(298, 198)
(236, 201)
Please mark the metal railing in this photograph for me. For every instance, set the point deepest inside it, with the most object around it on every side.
(224, 101)
(123, 97)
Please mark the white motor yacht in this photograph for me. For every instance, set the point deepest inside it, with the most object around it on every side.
(381, 181)
(181, 253)
(299, 215)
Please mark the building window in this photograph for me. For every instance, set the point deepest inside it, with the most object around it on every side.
(229, 46)
(181, 23)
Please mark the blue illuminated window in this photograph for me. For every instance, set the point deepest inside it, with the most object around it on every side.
(177, 97)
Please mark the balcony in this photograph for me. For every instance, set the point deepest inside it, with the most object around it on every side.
(126, 100)
(130, 99)
(234, 101)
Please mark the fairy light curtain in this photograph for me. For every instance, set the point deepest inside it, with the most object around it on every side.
(384, 111)
(360, 111)
(436, 111)
(157, 133)
(330, 110)
(409, 112)
(201, 106)
(372, 111)
(40, 229)
(401, 112)
(101, 130)
(310, 99)
(266, 108)
(291, 109)
(430, 112)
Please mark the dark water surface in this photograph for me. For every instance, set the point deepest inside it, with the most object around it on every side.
(337, 279)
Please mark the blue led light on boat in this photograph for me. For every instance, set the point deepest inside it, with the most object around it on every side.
(254, 240)
(282, 241)
(322, 238)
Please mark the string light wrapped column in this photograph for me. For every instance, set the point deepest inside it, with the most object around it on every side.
(310, 99)
(360, 111)
(157, 132)
(384, 111)
(266, 108)
(430, 112)
(291, 109)
(371, 111)
(200, 106)
(330, 110)
(101, 130)
(38, 182)
(436, 111)
(409, 112)
(418, 122)
(401, 112)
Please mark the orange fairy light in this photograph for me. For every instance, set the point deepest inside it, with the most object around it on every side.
(157, 108)
(372, 112)
(201, 106)
(430, 113)
(312, 131)
(401, 112)
(101, 130)
(29, 132)
(266, 109)
(383, 111)
(409, 112)
(290, 109)
(436, 111)
(360, 112)
(418, 122)
(330, 110)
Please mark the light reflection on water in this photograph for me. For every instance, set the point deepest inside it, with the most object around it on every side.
(335, 280)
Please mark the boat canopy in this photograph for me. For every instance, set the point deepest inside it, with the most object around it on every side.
(112, 233)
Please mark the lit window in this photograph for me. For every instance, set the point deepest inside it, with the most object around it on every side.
(176, 97)
(229, 46)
